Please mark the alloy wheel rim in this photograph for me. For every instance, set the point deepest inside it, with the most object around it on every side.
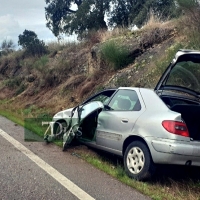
(135, 160)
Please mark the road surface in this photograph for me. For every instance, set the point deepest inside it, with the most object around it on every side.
(34, 170)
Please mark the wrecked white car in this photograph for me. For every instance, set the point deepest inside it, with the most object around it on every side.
(145, 126)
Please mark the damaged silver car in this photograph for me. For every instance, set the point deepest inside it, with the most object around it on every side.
(145, 126)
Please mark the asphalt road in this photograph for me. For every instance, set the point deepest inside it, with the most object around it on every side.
(34, 170)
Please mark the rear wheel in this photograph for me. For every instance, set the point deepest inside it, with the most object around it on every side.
(138, 162)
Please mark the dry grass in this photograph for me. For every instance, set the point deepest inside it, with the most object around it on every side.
(153, 21)
(102, 35)
(106, 35)
(92, 83)
(60, 45)
(86, 88)
(155, 31)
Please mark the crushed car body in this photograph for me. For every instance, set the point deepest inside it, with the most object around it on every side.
(145, 126)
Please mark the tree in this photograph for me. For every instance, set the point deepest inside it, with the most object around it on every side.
(136, 12)
(32, 45)
(119, 16)
(163, 9)
(89, 15)
(191, 11)
(7, 46)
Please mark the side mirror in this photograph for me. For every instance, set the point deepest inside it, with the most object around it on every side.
(106, 107)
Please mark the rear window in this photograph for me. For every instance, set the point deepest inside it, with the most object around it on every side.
(185, 74)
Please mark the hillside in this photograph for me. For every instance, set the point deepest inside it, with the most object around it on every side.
(73, 71)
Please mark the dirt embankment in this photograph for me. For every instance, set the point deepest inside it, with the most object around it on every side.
(65, 77)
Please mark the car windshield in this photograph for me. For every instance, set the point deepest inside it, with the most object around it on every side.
(185, 74)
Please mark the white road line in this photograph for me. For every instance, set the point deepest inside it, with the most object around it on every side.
(74, 189)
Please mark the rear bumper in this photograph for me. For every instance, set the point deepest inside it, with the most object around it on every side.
(175, 152)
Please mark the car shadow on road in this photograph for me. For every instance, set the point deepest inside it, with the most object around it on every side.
(176, 177)
(180, 173)
(164, 173)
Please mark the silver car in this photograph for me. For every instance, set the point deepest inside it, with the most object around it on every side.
(145, 126)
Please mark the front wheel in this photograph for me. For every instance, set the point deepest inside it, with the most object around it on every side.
(60, 128)
(138, 162)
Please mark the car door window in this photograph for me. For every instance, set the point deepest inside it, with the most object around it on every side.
(125, 100)
(102, 97)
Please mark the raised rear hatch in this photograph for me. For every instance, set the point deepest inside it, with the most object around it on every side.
(179, 88)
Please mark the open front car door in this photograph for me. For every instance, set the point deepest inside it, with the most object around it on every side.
(74, 122)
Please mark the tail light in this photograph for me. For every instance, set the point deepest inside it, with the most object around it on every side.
(175, 127)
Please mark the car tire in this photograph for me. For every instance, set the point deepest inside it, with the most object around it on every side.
(138, 163)
(60, 127)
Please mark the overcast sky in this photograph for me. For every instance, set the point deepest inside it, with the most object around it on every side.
(18, 15)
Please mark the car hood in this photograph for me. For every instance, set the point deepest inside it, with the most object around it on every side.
(79, 111)
(63, 114)
(183, 74)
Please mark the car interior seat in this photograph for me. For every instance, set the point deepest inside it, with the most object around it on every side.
(123, 104)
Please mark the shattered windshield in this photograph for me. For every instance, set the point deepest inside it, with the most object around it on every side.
(186, 73)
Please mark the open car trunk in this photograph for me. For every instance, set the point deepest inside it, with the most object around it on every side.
(179, 88)
(190, 113)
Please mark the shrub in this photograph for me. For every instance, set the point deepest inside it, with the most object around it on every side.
(41, 63)
(115, 54)
(21, 89)
(14, 82)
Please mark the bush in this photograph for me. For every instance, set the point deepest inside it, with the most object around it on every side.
(115, 54)
(21, 89)
(41, 63)
(14, 82)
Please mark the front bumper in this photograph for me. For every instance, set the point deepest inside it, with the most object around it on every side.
(165, 151)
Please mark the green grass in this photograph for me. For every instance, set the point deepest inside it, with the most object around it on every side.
(31, 122)
(13, 117)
